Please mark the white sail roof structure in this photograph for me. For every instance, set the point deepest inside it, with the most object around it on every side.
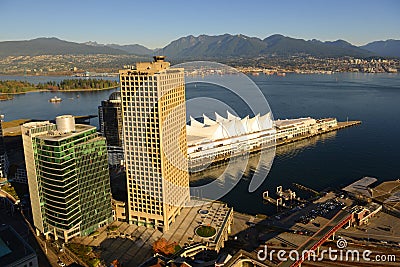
(225, 128)
(240, 130)
(220, 133)
(230, 127)
(219, 118)
(195, 123)
(266, 121)
(245, 121)
(208, 121)
(231, 116)
(253, 125)
(196, 134)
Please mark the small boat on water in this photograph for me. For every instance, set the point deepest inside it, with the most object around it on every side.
(55, 99)
(5, 97)
(282, 74)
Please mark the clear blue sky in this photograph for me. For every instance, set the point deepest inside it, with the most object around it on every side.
(157, 23)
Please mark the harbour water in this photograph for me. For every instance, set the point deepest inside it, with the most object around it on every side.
(36, 105)
(331, 160)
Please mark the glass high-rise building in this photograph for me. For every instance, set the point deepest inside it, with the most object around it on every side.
(68, 177)
(110, 121)
(155, 147)
(4, 164)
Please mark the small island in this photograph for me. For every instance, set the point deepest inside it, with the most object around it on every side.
(19, 87)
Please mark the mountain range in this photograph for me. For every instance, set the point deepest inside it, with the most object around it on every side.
(240, 45)
(136, 49)
(52, 46)
(207, 47)
(388, 48)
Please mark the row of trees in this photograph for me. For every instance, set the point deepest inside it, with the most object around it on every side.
(10, 86)
(72, 84)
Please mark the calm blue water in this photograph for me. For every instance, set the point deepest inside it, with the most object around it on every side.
(371, 149)
(36, 105)
(333, 160)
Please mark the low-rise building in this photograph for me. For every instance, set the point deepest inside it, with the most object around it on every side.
(119, 210)
(14, 251)
(361, 189)
(361, 215)
(207, 225)
(244, 259)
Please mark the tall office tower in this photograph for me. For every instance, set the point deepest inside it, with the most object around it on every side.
(154, 123)
(110, 121)
(3, 154)
(68, 177)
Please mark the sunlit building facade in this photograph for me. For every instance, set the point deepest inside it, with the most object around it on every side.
(154, 125)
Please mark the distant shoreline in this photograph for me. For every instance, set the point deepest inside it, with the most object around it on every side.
(244, 72)
(111, 75)
(60, 91)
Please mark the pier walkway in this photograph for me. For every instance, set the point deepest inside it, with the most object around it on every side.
(340, 125)
(221, 159)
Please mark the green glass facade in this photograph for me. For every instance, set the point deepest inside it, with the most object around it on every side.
(73, 182)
